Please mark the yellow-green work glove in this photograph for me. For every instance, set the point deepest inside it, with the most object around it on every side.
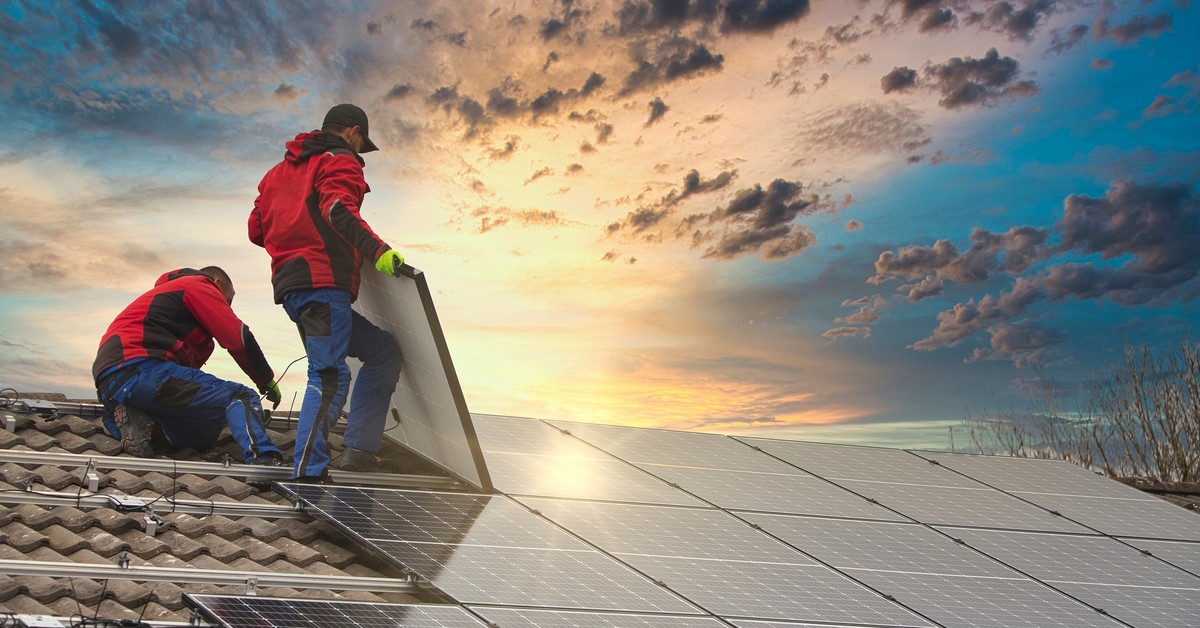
(389, 263)
(273, 394)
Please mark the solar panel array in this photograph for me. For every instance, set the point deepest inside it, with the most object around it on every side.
(434, 420)
(614, 526)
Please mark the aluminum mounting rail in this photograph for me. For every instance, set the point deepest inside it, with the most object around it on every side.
(157, 505)
(249, 471)
(251, 579)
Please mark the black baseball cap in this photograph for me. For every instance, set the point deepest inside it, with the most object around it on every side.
(349, 115)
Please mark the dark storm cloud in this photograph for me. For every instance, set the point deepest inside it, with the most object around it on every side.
(1137, 27)
(966, 81)
(1026, 343)
(658, 109)
(1012, 252)
(1016, 23)
(286, 92)
(1061, 42)
(940, 20)
(546, 102)
(760, 16)
(398, 92)
(760, 221)
(1144, 237)
(675, 59)
(594, 81)
(898, 80)
(643, 218)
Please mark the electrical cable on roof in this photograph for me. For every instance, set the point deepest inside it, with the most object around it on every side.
(285, 370)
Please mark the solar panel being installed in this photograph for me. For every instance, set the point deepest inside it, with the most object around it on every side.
(434, 421)
(256, 612)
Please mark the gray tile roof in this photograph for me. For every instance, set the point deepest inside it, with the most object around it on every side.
(75, 533)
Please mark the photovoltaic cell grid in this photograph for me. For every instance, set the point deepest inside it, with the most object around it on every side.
(529, 457)
(539, 618)
(1100, 571)
(260, 612)
(800, 494)
(482, 549)
(684, 449)
(931, 573)
(434, 420)
(1078, 494)
(914, 487)
(723, 564)
(725, 472)
(1181, 554)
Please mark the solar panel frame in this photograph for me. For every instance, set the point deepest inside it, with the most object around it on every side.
(857, 462)
(672, 447)
(801, 494)
(1184, 555)
(552, 618)
(435, 422)
(264, 612)
(527, 562)
(921, 567)
(653, 530)
(977, 506)
(1130, 586)
(721, 563)
(531, 457)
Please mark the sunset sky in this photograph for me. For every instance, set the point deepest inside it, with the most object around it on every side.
(743, 216)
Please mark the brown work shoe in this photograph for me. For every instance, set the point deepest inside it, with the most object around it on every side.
(360, 461)
(137, 431)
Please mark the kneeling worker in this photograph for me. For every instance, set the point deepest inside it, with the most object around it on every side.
(148, 378)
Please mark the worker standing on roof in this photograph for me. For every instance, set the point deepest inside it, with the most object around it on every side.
(148, 378)
(307, 217)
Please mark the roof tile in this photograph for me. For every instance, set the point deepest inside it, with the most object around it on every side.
(337, 556)
(221, 549)
(59, 478)
(115, 522)
(103, 543)
(10, 440)
(183, 549)
(74, 443)
(259, 551)
(8, 587)
(45, 589)
(16, 475)
(125, 482)
(143, 545)
(23, 538)
(298, 553)
(63, 540)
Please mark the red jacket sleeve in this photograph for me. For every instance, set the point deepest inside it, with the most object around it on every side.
(254, 225)
(207, 304)
(341, 187)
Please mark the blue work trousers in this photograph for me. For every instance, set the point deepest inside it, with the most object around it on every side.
(331, 331)
(189, 405)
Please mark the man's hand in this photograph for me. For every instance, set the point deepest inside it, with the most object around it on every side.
(273, 394)
(389, 263)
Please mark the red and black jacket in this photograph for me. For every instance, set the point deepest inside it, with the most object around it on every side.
(176, 321)
(307, 217)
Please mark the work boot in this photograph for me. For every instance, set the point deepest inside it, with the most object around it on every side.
(360, 460)
(315, 479)
(137, 431)
(269, 459)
